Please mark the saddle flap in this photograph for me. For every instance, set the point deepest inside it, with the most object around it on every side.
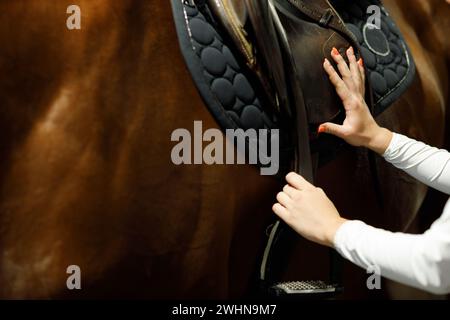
(270, 57)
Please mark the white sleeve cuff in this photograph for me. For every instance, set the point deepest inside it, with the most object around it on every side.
(392, 146)
(347, 230)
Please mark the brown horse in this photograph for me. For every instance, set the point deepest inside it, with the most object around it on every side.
(85, 170)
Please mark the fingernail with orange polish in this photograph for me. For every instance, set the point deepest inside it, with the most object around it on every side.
(335, 52)
(361, 62)
(321, 129)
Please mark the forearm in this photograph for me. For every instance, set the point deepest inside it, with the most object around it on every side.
(421, 261)
(427, 164)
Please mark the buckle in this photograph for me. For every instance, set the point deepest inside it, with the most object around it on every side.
(326, 18)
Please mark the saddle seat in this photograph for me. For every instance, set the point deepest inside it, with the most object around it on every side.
(267, 33)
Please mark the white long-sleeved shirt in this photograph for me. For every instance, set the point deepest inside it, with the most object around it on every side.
(421, 261)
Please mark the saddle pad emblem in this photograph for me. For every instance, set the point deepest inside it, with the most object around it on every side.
(375, 40)
(388, 60)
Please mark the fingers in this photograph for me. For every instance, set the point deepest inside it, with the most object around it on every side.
(341, 64)
(338, 83)
(362, 72)
(291, 192)
(298, 182)
(354, 67)
(333, 129)
(334, 76)
(358, 71)
(280, 211)
(353, 74)
(284, 199)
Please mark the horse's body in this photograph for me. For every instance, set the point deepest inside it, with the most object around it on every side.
(86, 175)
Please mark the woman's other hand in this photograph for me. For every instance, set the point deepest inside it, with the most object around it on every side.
(308, 211)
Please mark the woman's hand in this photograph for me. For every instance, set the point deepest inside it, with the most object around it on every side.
(308, 210)
(359, 128)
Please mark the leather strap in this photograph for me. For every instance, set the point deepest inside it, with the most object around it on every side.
(322, 12)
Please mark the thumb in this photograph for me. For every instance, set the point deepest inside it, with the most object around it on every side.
(333, 129)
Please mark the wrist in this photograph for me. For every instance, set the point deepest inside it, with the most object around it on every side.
(333, 228)
(380, 139)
